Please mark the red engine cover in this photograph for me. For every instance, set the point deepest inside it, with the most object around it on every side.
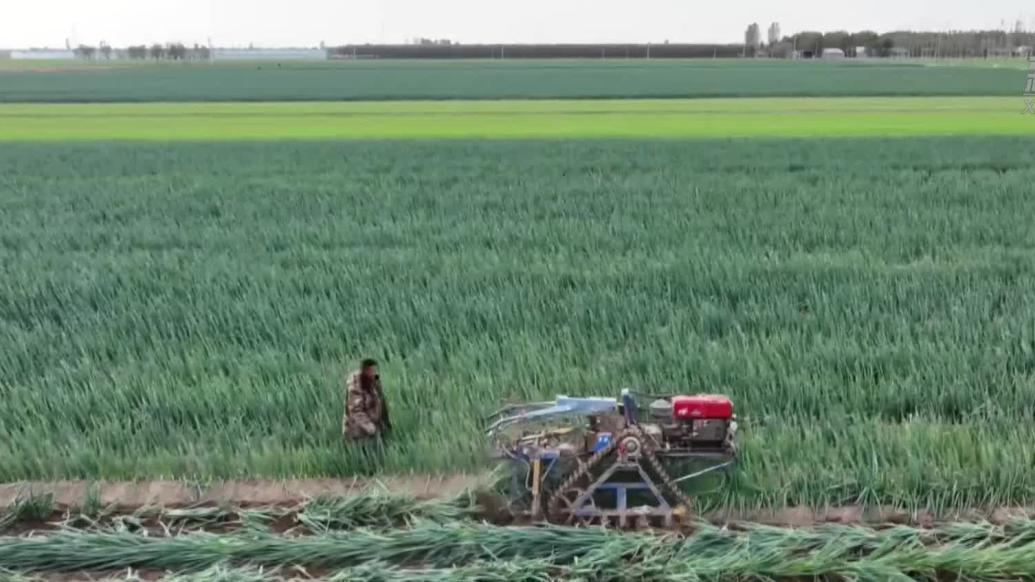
(702, 406)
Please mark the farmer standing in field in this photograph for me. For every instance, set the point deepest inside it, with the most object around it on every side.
(366, 413)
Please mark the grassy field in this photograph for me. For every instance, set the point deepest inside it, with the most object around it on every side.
(697, 118)
(185, 285)
(345, 81)
(462, 551)
(381, 537)
(190, 309)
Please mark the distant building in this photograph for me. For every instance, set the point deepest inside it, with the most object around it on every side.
(1022, 51)
(833, 53)
(781, 50)
(261, 54)
(43, 55)
(861, 51)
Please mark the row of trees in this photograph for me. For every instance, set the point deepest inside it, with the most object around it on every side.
(956, 44)
(431, 41)
(174, 51)
(90, 52)
(906, 43)
(535, 51)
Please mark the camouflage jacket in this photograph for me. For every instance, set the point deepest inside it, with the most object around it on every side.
(365, 412)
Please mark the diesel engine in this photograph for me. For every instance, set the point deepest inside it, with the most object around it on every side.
(700, 422)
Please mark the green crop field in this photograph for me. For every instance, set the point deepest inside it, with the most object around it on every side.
(192, 257)
(698, 118)
(619, 78)
(431, 552)
(190, 310)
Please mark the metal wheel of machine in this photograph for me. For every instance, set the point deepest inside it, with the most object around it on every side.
(631, 446)
(565, 506)
(558, 500)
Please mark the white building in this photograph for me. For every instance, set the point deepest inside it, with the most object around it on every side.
(43, 55)
(833, 53)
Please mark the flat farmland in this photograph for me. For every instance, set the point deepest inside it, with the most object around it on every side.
(696, 118)
(120, 81)
(189, 309)
(193, 256)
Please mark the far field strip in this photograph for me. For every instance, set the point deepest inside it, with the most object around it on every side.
(519, 119)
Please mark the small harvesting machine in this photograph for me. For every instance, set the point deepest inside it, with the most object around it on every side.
(603, 461)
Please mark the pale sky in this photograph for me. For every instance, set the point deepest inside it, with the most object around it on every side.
(25, 23)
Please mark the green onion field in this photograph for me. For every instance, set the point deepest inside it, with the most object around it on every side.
(517, 119)
(188, 273)
(500, 79)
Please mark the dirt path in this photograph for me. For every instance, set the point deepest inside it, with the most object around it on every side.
(128, 496)
(167, 493)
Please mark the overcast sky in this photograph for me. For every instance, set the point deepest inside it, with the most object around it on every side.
(307, 22)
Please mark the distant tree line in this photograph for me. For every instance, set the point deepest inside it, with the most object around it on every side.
(431, 41)
(970, 44)
(953, 44)
(173, 51)
(439, 50)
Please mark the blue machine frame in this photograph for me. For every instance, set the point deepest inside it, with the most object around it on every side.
(583, 508)
(563, 406)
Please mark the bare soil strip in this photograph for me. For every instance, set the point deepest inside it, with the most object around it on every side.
(129, 496)
(244, 493)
